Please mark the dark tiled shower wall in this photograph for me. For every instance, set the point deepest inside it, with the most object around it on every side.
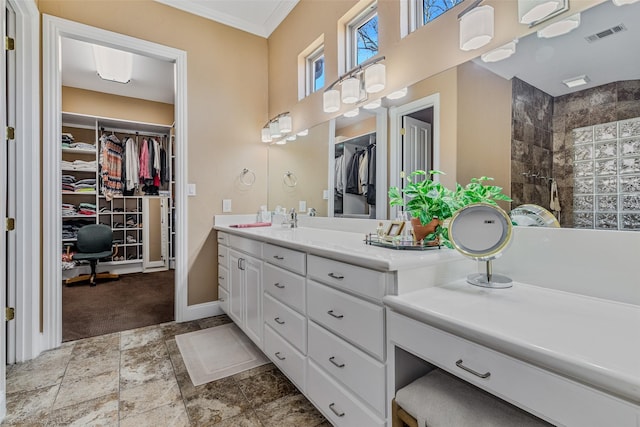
(546, 146)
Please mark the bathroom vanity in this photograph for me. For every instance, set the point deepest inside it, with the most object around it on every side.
(350, 323)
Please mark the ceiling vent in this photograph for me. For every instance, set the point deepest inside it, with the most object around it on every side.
(605, 33)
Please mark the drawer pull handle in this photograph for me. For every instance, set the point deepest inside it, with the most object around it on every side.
(277, 354)
(278, 257)
(471, 371)
(221, 277)
(220, 256)
(278, 321)
(336, 276)
(337, 316)
(332, 359)
(221, 299)
(338, 413)
(278, 285)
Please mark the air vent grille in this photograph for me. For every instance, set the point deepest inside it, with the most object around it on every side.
(605, 33)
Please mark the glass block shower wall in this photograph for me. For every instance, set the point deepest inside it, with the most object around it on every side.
(606, 174)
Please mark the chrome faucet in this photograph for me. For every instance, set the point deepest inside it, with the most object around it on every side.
(293, 218)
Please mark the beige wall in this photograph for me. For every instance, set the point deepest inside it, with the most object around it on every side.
(99, 104)
(227, 106)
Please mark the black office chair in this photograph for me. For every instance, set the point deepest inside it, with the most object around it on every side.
(94, 242)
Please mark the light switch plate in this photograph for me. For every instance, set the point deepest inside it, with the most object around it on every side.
(191, 189)
(302, 206)
(226, 205)
(325, 194)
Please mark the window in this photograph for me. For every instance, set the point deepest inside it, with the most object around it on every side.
(362, 36)
(315, 70)
(424, 11)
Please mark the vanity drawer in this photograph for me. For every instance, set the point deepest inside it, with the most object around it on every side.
(358, 321)
(284, 286)
(543, 393)
(223, 256)
(339, 406)
(285, 357)
(285, 258)
(223, 297)
(357, 371)
(223, 277)
(360, 280)
(249, 246)
(291, 325)
(223, 238)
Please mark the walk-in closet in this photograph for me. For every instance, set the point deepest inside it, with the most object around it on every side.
(355, 177)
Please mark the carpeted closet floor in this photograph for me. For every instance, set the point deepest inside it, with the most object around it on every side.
(133, 301)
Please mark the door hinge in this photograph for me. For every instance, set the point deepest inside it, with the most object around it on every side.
(403, 132)
(10, 224)
(11, 132)
(9, 313)
(9, 43)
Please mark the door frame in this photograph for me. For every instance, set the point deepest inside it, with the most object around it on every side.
(53, 29)
(395, 137)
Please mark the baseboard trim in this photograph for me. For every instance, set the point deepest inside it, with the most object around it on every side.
(200, 311)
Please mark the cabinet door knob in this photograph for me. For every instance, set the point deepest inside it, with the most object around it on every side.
(278, 321)
(337, 316)
(336, 276)
(332, 359)
(471, 371)
(278, 285)
(277, 354)
(335, 411)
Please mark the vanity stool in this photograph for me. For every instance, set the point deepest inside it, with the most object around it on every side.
(440, 399)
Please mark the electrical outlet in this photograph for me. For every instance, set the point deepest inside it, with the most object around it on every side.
(226, 205)
(302, 206)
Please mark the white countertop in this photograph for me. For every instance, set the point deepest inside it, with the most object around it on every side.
(595, 341)
(344, 246)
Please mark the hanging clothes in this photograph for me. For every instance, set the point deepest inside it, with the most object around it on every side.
(132, 170)
(144, 161)
(363, 173)
(339, 176)
(111, 166)
(353, 168)
(371, 181)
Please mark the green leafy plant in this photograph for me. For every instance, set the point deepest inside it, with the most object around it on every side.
(427, 199)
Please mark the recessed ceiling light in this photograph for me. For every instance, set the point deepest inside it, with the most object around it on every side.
(500, 53)
(576, 81)
(560, 27)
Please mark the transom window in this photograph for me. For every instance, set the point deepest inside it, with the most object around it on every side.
(362, 36)
(315, 70)
(424, 11)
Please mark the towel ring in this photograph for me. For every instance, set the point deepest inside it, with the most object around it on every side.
(290, 179)
(251, 177)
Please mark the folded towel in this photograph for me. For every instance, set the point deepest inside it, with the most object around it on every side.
(255, 224)
(555, 200)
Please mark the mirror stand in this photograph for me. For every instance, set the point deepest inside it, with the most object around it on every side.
(489, 280)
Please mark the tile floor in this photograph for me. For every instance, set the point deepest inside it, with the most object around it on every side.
(138, 378)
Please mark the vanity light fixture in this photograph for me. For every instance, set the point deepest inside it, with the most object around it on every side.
(368, 77)
(476, 26)
(623, 2)
(303, 132)
(352, 113)
(276, 127)
(532, 12)
(292, 137)
(112, 64)
(373, 104)
(560, 28)
(500, 53)
(398, 94)
(576, 81)
(281, 141)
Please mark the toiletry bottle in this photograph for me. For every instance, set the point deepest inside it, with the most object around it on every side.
(380, 230)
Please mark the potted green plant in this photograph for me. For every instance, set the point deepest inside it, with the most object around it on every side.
(430, 203)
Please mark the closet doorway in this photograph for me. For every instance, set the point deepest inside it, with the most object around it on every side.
(124, 213)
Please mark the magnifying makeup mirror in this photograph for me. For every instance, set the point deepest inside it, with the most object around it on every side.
(482, 232)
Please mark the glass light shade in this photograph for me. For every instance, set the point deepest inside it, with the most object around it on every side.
(476, 28)
(398, 94)
(373, 104)
(352, 113)
(281, 142)
(274, 129)
(292, 137)
(531, 11)
(351, 90)
(331, 101)
(623, 2)
(500, 53)
(374, 78)
(576, 81)
(266, 135)
(285, 124)
(112, 64)
(560, 28)
(303, 132)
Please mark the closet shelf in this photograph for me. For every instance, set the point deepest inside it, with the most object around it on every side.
(77, 216)
(80, 193)
(78, 151)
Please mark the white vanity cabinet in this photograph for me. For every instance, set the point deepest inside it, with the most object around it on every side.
(245, 286)
(285, 311)
(223, 271)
